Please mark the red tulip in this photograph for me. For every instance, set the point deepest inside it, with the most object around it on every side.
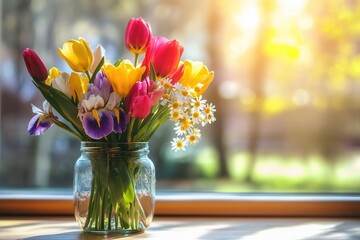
(140, 99)
(175, 76)
(164, 55)
(138, 35)
(35, 65)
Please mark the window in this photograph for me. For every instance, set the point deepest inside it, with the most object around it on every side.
(286, 88)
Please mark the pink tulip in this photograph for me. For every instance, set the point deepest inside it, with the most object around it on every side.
(35, 65)
(164, 55)
(141, 98)
(138, 35)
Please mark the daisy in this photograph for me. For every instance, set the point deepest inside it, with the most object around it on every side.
(196, 116)
(209, 108)
(178, 144)
(198, 102)
(194, 137)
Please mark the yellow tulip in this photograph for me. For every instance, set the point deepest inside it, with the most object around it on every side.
(53, 73)
(123, 77)
(196, 76)
(77, 54)
(78, 85)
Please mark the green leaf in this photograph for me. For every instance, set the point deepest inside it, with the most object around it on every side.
(117, 63)
(149, 126)
(152, 72)
(65, 127)
(97, 69)
(63, 105)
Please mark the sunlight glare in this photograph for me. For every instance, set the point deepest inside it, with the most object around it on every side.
(301, 97)
(229, 89)
(301, 231)
(249, 19)
(292, 6)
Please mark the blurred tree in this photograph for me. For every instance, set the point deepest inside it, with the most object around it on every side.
(214, 51)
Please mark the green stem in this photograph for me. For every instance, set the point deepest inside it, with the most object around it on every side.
(109, 216)
(88, 75)
(65, 127)
(131, 126)
(102, 214)
(90, 214)
(136, 59)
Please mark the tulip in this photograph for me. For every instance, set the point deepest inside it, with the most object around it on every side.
(53, 73)
(98, 55)
(196, 76)
(35, 65)
(140, 99)
(123, 77)
(78, 86)
(137, 36)
(175, 76)
(77, 54)
(164, 55)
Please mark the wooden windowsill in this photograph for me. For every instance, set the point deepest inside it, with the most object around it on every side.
(164, 228)
(203, 204)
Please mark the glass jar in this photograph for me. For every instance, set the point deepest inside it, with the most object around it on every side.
(114, 188)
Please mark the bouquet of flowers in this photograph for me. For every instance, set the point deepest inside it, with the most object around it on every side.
(124, 101)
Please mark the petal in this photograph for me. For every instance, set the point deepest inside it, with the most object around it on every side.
(92, 128)
(124, 121)
(155, 96)
(98, 54)
(36, 129)
(141, 107)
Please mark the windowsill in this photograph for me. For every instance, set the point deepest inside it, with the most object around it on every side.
(189, 228)
(199, 204)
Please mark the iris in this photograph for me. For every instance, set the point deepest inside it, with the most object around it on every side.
(42, 121)
(100, 110)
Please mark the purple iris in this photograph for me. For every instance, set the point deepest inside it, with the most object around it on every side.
(124, 119)
(100, 128)
(35, 128)
(42, 120)
(102, 83)
(100, 110)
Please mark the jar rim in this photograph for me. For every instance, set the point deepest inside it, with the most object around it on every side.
(113, 146)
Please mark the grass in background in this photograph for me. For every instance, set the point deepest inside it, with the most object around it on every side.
(277, 173)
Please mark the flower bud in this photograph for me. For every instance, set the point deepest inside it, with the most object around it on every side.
(35, 65)
(77, 54)
(138, 35)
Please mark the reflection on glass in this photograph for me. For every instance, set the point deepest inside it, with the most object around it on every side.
(287, 91)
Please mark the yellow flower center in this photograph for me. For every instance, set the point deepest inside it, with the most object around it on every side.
(175, 115)
(175, 105)
(179, 144)
(197, 104)
(192, 138)
(185, 93)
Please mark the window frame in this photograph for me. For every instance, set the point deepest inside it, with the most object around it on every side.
(201, 204)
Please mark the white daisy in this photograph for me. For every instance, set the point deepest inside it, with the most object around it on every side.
(178, 144)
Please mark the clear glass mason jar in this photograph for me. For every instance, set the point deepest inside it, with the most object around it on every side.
(114, 188)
